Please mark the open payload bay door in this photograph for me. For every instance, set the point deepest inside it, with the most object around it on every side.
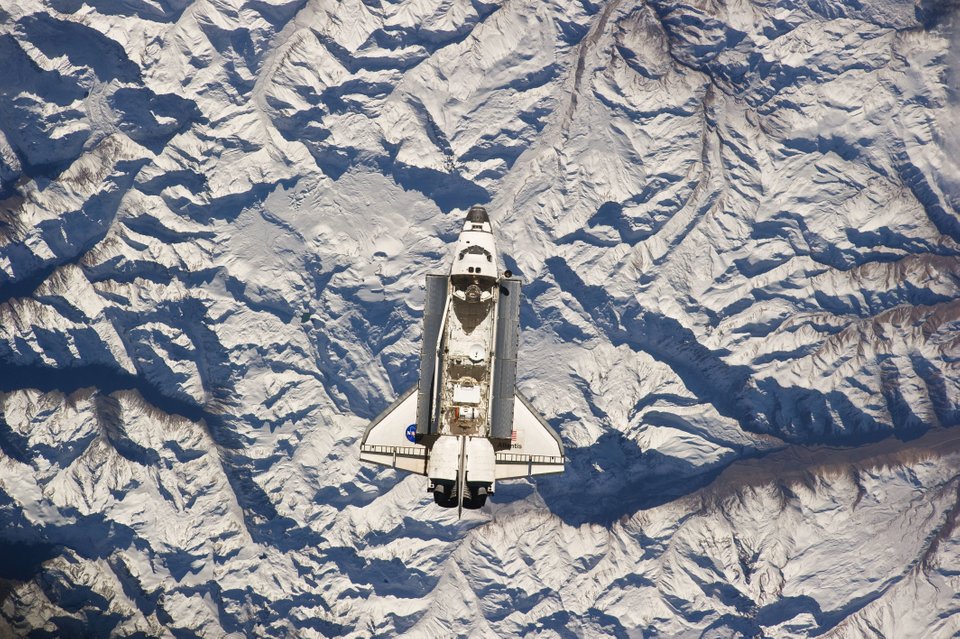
(535, 449)
(390, 439)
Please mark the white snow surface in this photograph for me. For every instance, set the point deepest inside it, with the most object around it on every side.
(738, 224)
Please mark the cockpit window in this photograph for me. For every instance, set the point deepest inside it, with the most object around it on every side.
(476, 250)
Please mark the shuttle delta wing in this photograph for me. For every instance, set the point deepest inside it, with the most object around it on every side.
(390, 439)
(535, 448)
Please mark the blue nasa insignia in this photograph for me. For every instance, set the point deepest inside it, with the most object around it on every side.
(412, 432)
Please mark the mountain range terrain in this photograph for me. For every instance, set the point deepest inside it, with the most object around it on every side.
(738, 226)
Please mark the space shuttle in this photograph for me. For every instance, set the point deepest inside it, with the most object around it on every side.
(464, 425)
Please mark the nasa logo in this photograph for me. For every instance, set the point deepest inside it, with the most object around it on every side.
(412, 432)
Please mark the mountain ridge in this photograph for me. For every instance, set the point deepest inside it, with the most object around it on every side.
(737, 227)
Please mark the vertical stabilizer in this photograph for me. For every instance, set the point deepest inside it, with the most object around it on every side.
(461, 475)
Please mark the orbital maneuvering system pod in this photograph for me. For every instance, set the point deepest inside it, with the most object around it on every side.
(464, 425)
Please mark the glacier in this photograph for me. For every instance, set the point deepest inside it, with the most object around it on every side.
(738, 224)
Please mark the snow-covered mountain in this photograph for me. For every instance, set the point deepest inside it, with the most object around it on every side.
(739, 228)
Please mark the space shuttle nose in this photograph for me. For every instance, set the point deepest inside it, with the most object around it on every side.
(477, 215)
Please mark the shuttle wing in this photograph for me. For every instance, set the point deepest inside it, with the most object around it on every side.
(390, 439)
(536, 448)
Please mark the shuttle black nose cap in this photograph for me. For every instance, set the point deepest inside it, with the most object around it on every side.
(477, 215)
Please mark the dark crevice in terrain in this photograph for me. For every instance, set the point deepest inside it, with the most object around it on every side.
(614, 478)
(80, 231)
(20, 561)
(703, 371)
(82, 45)
(603, 496)
(102, 378)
